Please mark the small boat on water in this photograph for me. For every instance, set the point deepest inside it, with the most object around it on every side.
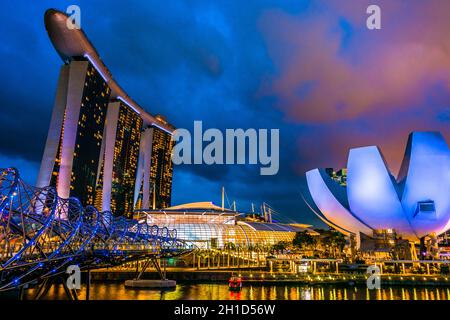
(235, 283)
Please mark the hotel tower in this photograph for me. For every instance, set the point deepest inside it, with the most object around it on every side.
(102, 147)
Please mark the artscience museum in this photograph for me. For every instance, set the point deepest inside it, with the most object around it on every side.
(413, 205)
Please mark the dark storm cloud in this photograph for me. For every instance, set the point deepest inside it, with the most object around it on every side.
(204, 61)
(299, 66)
(28, 84)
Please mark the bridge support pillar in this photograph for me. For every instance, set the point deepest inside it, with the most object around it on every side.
(88, 284)
(21, 293)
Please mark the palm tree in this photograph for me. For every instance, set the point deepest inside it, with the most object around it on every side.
(280, 246)
(250, 251)
(304, 240)
(238, 250)
(258, 249)
(338, 243)
(229, 246)
(334, 242)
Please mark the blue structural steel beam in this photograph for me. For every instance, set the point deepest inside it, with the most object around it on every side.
(41, 234)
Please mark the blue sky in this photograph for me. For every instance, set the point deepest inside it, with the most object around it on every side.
(308, 68)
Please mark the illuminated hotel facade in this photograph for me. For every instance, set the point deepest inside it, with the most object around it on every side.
(102, 147)
(154, 177)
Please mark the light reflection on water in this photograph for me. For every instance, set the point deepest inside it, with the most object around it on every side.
(211, 291)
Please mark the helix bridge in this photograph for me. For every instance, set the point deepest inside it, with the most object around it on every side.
(42, 234)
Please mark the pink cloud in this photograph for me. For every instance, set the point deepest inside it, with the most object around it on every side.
(389, 69)
(384, 79)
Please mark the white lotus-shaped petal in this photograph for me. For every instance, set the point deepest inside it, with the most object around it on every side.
(425, 177)
(371, 191)
(320, 186)
(415, 205)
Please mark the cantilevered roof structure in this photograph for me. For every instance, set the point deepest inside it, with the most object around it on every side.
(207, 205)
(73, 43)
(282, 227)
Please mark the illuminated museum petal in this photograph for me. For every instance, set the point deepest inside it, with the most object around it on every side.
(371, 191)
(331, 203)
(416, 205)
(425, 177)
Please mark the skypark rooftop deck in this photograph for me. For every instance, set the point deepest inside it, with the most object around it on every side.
(71, 44)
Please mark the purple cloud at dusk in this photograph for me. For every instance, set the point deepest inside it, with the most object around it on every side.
(353, 86)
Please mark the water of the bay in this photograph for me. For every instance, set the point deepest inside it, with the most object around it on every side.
(218, 291)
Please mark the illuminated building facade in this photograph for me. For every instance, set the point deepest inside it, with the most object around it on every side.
(413, 206)
(161, 168)
(120, 158)
(126, 154)
(76, 132)
(153, 187)
(98, 134)
(208, 226)
(89, 137)
(339, 176)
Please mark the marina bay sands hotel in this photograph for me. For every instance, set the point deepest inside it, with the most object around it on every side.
(102, 147)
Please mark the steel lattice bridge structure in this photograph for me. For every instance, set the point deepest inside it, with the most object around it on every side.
(42, 234)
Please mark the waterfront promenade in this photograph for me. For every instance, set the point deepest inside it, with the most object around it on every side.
(258, 275)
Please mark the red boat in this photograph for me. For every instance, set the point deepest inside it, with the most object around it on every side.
(235, 283)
